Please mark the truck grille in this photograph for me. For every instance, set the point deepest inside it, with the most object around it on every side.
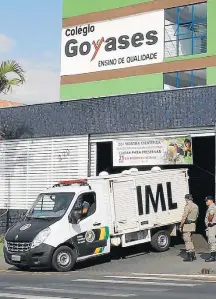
(18, 246)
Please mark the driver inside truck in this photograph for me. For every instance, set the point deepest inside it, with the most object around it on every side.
(86, 205)
(82, 207)
(85, 209)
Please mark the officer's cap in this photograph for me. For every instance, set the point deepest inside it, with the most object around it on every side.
(209, 198)
(188, 197)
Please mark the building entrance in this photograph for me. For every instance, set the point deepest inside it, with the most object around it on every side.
(201, 173)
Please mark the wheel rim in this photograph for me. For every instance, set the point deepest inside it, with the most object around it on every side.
(162, 241)
(64, 259)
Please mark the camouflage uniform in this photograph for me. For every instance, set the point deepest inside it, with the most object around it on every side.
(211, 231)
(191, 213)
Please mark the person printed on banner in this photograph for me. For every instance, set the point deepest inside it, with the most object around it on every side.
(187, 148)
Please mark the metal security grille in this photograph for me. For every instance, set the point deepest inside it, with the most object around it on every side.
(18, 246)
(29, 166)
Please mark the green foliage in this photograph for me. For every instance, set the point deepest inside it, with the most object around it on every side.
(11, 74)
(1, 239)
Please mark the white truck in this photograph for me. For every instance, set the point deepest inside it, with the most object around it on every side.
(83, 218)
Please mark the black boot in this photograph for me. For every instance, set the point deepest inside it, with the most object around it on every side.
(189, 257)
(212, 257)
(194, 256)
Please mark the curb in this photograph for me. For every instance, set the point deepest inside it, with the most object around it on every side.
(184, 276)
(191, 277)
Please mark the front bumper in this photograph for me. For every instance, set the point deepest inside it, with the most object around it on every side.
(40, 256)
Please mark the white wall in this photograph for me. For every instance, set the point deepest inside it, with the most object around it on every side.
(169, 87)
(27, 167)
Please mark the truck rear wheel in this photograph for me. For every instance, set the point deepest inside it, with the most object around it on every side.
(161, 241)
(63, 259)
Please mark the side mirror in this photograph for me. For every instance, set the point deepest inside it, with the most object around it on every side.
(74, 217)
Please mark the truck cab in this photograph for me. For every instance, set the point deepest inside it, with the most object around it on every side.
(80, 219)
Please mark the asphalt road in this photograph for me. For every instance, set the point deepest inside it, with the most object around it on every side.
(80, 285)
(119, 278)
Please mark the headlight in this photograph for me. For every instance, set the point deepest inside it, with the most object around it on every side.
(41, 237)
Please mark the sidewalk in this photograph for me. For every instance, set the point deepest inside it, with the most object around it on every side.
(166, 263)
(1, 250)
(3, 265)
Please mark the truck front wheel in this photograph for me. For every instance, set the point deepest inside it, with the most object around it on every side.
(63, 259)
(161, 241)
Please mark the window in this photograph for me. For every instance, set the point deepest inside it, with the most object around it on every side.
(86, 201)
(51, 205)
(186, 30)
(185, 79)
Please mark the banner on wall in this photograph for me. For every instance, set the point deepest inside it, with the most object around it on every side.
(153, 151)
(113, 44)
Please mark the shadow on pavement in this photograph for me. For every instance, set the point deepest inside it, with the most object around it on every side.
(116, 255)
(129, 253)
(204, 255)
(182, 253)
(120, 254)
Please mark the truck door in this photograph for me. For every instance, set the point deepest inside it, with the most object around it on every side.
(125, 205)
(91, 234)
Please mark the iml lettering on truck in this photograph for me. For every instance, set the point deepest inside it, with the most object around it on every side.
(150, 200)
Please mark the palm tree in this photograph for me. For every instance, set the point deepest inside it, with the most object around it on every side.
(8, 68)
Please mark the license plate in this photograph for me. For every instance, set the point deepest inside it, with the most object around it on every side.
(16, 258)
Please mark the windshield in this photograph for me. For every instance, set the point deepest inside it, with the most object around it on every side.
(51, 205)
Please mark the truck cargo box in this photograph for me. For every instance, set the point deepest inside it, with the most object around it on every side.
(143, 200)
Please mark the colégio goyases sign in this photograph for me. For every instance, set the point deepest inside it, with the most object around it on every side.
(113, 44)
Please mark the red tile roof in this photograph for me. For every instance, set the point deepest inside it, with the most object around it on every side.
(6, 104)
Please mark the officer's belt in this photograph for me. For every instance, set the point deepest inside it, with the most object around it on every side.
(190, 221)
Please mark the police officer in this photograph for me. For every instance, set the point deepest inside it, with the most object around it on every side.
(188, 226)
(210, 222)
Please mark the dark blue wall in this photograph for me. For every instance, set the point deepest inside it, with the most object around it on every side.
(148, 111)
(7, 219)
